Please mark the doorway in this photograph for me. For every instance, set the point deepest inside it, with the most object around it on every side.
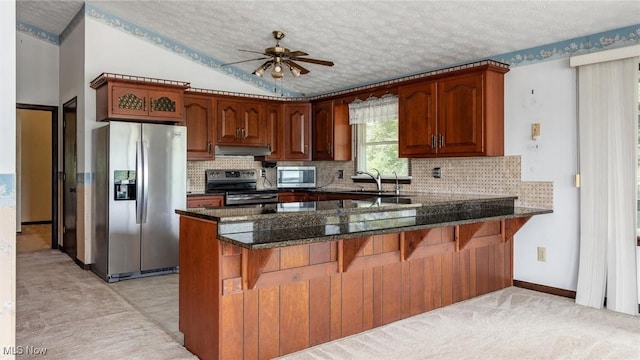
(47, 122)
(69, 181)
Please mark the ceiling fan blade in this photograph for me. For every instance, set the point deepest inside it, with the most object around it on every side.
(297, 66)
(314, 61)
(241, 61)
(296, 53)
(255, 52)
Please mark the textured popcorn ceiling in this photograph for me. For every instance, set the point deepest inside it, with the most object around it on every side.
(369, 41)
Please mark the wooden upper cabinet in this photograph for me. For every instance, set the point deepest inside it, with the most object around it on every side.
(323, 130)
(121, 98)
(417, 127)
(297, 132)
(253, 130)
(458, 115)
(289, 131)
(275, 132)
(331, 131)
(240, 122)
(198, 118)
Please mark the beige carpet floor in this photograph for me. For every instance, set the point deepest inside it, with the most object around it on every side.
(75, 315)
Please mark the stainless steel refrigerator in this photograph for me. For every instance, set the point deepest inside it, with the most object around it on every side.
(140, 179)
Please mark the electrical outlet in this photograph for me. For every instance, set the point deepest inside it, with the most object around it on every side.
(263, 173)
(542, 254)
(437, 173)
(340, 174)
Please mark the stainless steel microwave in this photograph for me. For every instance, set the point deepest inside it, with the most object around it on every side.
(296, 176)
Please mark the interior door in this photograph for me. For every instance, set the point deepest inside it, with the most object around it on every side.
(69, 185)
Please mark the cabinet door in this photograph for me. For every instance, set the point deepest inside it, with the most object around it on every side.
(128, 100)
(417, 129)
(297, 129)
(198, 118)
(229, 122)
(165, 104)
(253, 128)
(341, 145)
(323, 131)
(460, 115)
(275, 132)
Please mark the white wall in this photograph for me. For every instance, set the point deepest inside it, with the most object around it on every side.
(551, 158)
(7, 174)
(37, 75)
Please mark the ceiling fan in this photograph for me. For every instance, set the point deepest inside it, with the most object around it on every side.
(280, 57)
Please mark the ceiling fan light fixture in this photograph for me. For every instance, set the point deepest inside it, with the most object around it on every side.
(276, 74)
(295, 72)
(259, 71)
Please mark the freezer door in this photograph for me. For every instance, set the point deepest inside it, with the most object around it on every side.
(165, 189)
(124, 232)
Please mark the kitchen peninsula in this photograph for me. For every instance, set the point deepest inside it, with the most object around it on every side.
(260, 282)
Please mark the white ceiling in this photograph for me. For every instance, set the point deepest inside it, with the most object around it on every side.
(369, 41)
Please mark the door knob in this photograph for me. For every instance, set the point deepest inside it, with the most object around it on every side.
(72, 190)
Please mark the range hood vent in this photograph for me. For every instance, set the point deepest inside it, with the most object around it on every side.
(226, 150)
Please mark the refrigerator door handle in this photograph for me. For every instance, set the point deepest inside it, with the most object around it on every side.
(139, 186)
(145, 180)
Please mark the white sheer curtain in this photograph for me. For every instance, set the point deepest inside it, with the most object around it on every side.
(373, 109)
(608, 128)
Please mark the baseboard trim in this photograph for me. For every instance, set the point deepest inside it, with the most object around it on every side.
(545, 289)
(43, 222)
(82, 265)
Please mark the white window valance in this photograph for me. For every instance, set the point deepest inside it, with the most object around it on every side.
(373, 109)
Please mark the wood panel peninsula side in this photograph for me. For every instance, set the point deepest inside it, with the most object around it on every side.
(257, 283)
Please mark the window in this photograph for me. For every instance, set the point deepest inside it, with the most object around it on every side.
(375, 124)
(377, 148)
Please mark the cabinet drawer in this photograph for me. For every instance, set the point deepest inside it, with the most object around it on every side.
(205, 201)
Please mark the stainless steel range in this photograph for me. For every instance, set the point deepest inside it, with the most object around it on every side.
(239, 187)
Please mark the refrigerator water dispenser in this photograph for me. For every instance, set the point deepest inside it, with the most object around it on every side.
(124, 182)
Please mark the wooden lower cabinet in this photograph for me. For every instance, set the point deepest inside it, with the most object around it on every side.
(237, 303)
(290, 196)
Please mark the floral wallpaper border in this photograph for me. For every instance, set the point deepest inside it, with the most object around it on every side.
(37, 33)
(7, 190)
(622, 37)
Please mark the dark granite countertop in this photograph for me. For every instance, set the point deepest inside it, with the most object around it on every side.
(241, 234)
(287, 224)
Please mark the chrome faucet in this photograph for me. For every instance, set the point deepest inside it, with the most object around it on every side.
(397, 185)
(377, 178)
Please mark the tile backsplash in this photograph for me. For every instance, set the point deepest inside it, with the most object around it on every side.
(477, 175)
